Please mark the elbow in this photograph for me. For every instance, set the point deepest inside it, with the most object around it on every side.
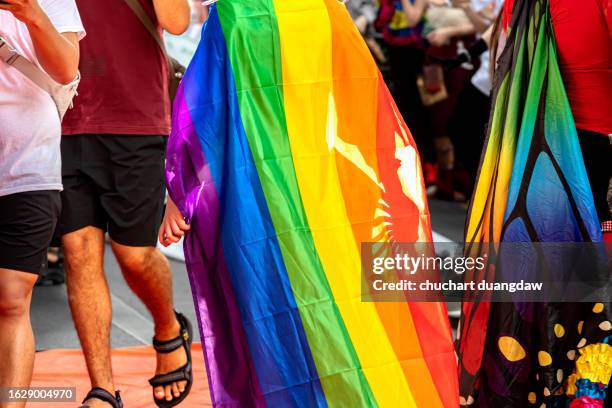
(411, 21)
(67, 75)
(413, 18)
(65, 80)
(176, 29)
(177, 25)
(68, 72)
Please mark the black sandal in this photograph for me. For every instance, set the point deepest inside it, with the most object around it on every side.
(183, 373)
(53, 272)
(103, 395)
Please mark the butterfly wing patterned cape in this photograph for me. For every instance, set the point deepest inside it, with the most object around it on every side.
(532, 187)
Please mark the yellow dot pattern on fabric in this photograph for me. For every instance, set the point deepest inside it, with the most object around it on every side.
(571, 354)
(570, 388)
(511, 349)
(560, 375)
(559, 330)
(580, 324)
(581, 343)
(532, 398)
(598, 308)
(544, 358)
(546, 392)
(605, 326)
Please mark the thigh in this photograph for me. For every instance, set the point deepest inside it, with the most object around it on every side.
(84, 164)
(27, 223)
(135, 199)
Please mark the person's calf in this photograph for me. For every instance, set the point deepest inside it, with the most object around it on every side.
(148, 274)
(90, 304)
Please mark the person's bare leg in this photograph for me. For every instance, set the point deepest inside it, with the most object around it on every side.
(16, 336)
(147, 273)
(90, 304)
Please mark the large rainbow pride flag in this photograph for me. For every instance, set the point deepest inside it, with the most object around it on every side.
(287, 152)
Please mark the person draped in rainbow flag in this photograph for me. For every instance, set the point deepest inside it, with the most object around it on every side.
(533, 187)
(287, 152)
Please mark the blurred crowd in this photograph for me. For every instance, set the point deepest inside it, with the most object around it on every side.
(433, 55)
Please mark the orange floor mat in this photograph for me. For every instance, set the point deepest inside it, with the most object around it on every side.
(132, 368)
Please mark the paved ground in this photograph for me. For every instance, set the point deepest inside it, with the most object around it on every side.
(131, 322)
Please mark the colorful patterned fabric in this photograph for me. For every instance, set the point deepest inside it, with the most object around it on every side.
(532, 187)
(287, 152)
(393, 24)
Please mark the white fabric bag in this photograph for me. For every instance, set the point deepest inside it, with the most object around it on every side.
(62, 95)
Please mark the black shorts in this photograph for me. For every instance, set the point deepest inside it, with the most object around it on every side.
(27, 222)
(115, 183)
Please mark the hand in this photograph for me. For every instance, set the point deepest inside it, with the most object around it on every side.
(27, 11)
(437, 3)
(362, 23)
(461, 3)
(173, 225)
(200, 10)
(439, 37)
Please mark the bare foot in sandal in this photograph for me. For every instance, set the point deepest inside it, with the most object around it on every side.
(101, 398)
(172, 381)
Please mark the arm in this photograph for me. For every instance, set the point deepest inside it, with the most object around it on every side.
(486, 36)
(481, 20)
(414, 12)
(442, 35)
(57, 53)
(173, 15)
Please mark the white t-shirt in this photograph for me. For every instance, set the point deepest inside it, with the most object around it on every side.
(482, 78)
(30, 129)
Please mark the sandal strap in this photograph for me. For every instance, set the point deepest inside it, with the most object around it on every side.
(103, 395)
(168, 346)
(180, 374)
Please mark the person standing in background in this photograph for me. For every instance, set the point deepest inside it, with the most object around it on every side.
(401, 24)
(551, 116)
(583, 32)
(113, 150)
(469, 120)
(46, 33)
(472, 18)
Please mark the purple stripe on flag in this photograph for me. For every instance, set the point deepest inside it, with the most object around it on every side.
(225, 347)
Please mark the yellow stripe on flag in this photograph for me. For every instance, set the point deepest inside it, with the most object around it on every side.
(306, 47)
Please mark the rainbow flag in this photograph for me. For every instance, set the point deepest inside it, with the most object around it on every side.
(287, 152)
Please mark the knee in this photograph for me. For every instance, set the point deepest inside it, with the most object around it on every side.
(83, 248)
(135, 260)
(15, 300)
